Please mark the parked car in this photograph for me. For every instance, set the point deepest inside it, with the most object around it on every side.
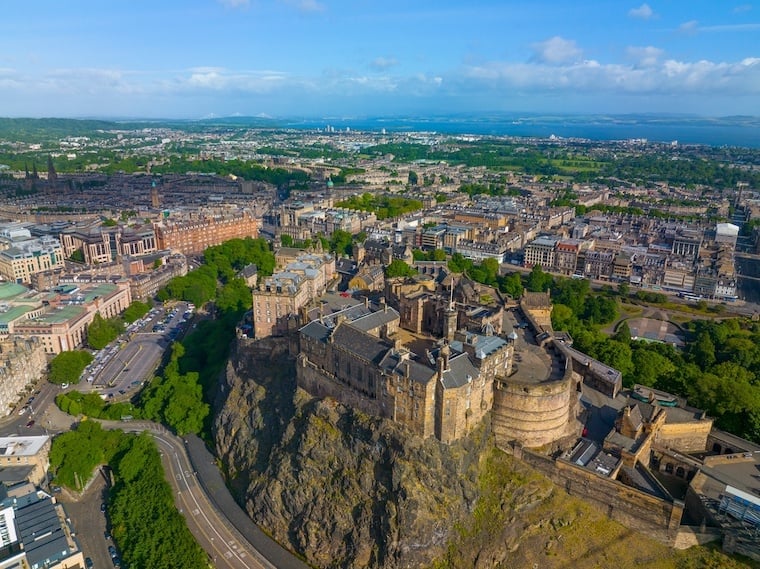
(88, 563)
(30, 424)
(23, 410)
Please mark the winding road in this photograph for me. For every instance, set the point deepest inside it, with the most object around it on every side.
(220, 526)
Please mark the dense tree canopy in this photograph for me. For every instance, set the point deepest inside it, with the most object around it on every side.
(67, 367)
(135, 311)
(176, 399)
(145, 522)
(102, 332)
(399, 268)
(538, 280)
(383, 206)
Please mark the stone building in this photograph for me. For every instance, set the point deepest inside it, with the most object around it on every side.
(278, 300)
(101, 244)
(444, 392)
(24, 258)
(22, 362)
(64, 326)
(30, 453)
(439, 305)
(193, 236)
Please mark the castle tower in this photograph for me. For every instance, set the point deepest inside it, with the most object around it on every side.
(155, 203)
(449, 323)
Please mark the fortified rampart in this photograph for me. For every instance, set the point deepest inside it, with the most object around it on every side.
(535, 414)
(320, 383)
(657, 517)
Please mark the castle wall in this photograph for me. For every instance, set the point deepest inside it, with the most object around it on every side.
(686, 437)
(533, 414)
(636, 509)
(320, 383)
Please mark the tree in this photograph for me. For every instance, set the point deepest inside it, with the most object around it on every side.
(341, 242)
(491, 268)
(102, 332)
(624, 289)
(437, 255)
(135, 311)
(649, 366)
(67, 367)
(703, 351)
(399, 268)
(599, 310)
(617, 355)
(512, 285)
(562, 316)
(413, 178)
(459, 264)
(286, 240)
(538, 280)
(623, 333)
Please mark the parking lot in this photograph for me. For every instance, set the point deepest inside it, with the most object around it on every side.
(119, 370)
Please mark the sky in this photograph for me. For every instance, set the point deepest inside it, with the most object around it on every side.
(316, 58)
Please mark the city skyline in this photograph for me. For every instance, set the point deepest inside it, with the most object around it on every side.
(203, 58)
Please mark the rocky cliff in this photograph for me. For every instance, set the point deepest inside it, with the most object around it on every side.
(339, 487)
(345, 490)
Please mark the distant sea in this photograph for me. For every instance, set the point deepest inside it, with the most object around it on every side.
(728, 131)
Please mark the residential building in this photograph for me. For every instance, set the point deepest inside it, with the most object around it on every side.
(36, 533)
(194, 235)
(29, 453)
(22, 363)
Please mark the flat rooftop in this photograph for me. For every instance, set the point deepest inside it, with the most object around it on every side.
(10, 290)
(741, 471)
(103, 289)
(21, 446)
(14, 312)
(60, 314)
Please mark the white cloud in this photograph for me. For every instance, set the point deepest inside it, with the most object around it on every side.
(644, 56)
(235, 3)
(692, 27)
(383, 63)
(643, 12)
(555, 51)
(670, 77)
(220, 79)
(305, 5)
(729, 28)
(689, 27)
(742, 8)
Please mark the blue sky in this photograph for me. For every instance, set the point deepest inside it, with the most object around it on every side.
(196, 58)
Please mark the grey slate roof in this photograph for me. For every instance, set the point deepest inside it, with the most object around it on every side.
(460, 372)
(375, 320)
(315, 329)
(41, 533)
(360, 343)
(392, 362)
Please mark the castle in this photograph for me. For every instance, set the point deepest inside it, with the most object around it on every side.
(645, 457)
